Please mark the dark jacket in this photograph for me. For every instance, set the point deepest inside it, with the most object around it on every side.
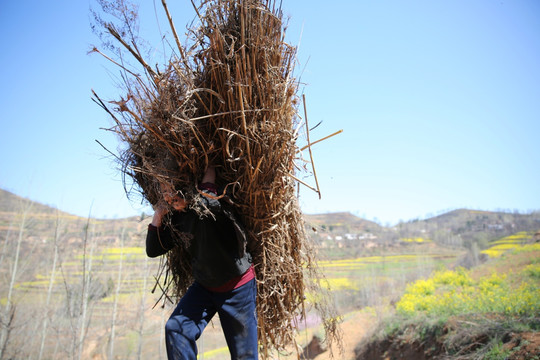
(216, 242)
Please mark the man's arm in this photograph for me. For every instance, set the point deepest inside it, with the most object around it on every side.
(158, 239)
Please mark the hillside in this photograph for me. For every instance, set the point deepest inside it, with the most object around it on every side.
(41, 222)
(338, 235)
(59, 271)
(467, 222)
(455, 228)
(10, 202)
(70, 277)
(490, 312)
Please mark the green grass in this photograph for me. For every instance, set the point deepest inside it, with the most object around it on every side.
(454, 292)
(455, 309)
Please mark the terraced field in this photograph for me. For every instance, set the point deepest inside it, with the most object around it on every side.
(514, 241)
(120, 279)
(85, 286)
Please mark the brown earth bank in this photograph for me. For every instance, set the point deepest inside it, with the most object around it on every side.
(520, 346)
(524, 346)
(354, 327)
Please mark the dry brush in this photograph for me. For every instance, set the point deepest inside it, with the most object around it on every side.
(227, 99)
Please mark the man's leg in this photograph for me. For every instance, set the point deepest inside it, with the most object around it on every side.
(238, 317)
(187, 323)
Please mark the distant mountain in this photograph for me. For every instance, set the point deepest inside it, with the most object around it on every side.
(464, 224)
(466, 220)
(10, 202)
(342, 222)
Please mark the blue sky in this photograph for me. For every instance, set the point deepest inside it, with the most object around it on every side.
(439, 102)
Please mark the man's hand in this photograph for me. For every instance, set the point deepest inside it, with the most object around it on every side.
(159, 212)
(172, 197)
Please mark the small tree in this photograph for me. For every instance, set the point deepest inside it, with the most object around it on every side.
(116, 296)
(50, 287)
(8, 314)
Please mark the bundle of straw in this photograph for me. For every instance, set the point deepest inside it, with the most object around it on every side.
(229, 101)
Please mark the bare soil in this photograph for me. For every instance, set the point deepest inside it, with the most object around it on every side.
(522, 346)
(355, 326)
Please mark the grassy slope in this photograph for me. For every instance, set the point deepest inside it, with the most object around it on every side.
(490, 312)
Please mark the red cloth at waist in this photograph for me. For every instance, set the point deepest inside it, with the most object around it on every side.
(236, 282)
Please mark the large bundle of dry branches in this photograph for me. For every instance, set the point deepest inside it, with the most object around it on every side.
(228, 100)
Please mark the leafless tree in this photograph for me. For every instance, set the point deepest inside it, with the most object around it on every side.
(142, 308)
(50, 287)
(9, 309)
(78, 298)
(116, 295)
(6, 240)
(84, 319)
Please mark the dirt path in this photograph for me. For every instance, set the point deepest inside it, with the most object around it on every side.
(355, 326)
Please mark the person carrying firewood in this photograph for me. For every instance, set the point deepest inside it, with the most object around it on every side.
(221, 266)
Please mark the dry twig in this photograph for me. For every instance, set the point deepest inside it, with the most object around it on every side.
(231, 102)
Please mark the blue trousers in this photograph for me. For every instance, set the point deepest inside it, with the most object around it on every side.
(237, 314)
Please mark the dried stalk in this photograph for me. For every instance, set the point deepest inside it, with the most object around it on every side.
(231, 102)
(309, 147)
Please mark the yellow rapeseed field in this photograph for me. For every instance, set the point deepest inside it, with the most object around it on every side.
(507, 243)
(455, 292)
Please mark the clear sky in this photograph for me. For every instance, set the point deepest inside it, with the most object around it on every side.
(439, 102)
